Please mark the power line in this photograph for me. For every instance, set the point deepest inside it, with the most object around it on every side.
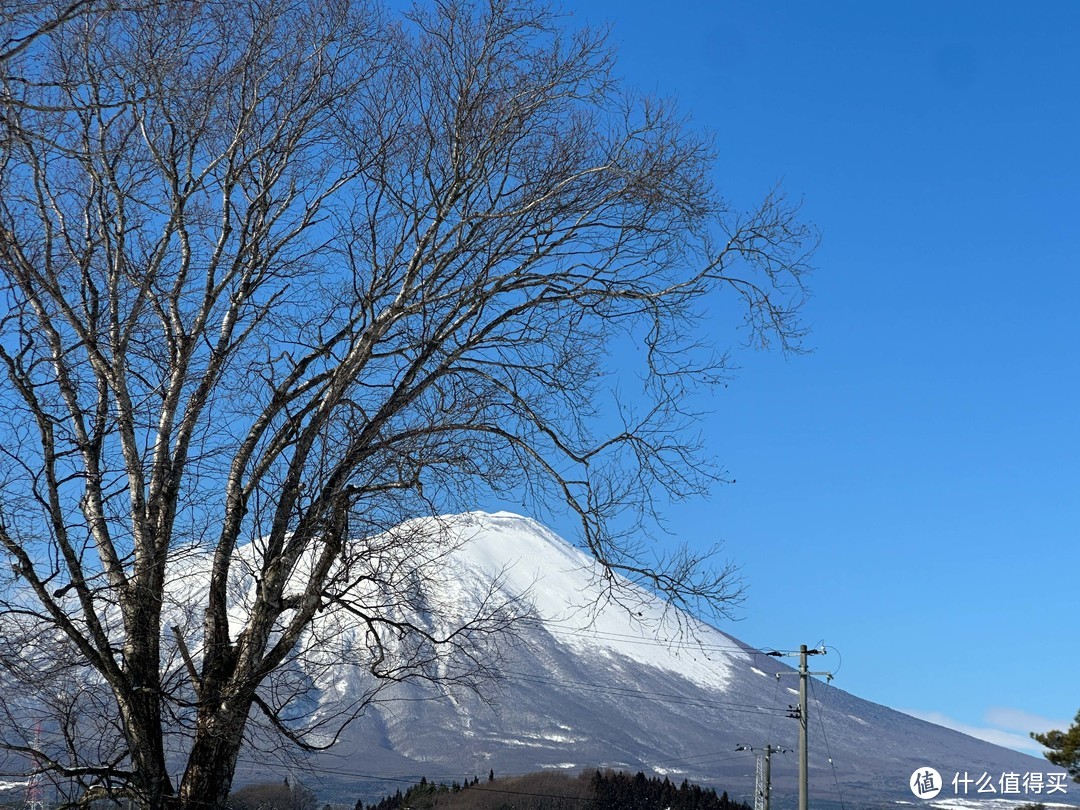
(562, 627)
(706, 759)
(828, 752)
(624, 691)
(685, 700)
(772, 720)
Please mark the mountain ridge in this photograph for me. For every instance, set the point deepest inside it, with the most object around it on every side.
(593, 684)
(583, 681)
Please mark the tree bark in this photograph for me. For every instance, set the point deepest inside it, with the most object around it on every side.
(211, 763)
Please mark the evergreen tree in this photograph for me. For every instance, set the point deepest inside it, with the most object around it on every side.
(1064, 747)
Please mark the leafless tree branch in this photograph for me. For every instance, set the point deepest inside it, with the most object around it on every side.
(278, 277)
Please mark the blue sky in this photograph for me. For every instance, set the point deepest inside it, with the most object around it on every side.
(910, 491)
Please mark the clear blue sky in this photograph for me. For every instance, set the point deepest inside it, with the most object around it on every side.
(910, 492)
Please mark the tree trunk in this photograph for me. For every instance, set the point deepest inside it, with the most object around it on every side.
(142, 711)
(212, 761)
(148, 759)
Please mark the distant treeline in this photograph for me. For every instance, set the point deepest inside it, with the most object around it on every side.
(598, 790)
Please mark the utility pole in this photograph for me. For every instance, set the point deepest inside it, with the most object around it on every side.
(767, 786)
(763, 773)
(803, 716)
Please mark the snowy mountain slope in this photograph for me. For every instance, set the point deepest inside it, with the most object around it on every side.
(601, 687)
(586, 683)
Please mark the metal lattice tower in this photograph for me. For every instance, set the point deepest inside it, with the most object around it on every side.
(761, 781)
(35, 790)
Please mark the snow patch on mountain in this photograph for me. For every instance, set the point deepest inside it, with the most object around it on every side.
(568, 595)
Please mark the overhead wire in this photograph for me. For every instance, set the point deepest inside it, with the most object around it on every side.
(633, 639)
(625, 691)
(772, 711)
(828, 751)
(671, 698)
(840, 663)
(772, 719)
(563, 627)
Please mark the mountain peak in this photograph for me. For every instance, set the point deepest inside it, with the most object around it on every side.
(622, 680)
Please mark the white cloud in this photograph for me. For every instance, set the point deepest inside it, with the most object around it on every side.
(1019, 720)
(1001, 725)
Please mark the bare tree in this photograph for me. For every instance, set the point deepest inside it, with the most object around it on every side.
(278, 276)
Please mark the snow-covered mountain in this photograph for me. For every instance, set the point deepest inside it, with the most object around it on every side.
(631, 685)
